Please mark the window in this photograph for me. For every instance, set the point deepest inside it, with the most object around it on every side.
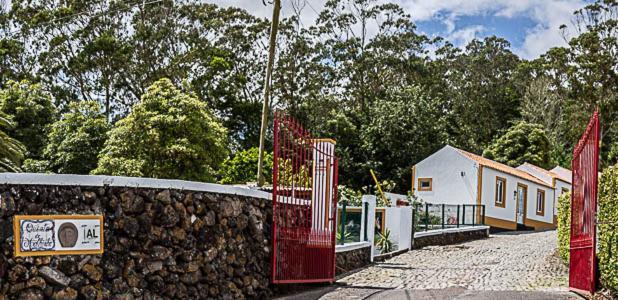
(540, 202)
(424, 184)
(500, 191)
(564, 190)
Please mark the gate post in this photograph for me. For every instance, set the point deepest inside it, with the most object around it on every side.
(369, 201)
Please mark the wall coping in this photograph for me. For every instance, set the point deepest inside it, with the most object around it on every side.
(450, 230)
(122, 181)
(351, 246)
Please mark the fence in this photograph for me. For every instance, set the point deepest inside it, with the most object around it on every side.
(349, 224)
(429, 216)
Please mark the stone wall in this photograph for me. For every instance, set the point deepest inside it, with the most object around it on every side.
(160, 243)
(350, 260)
(449, 237)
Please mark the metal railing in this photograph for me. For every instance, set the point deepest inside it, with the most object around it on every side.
(429, 216)
(349, 224)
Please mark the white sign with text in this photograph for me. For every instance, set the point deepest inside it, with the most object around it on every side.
(49, 235)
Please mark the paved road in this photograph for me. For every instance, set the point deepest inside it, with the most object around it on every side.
(512, 265)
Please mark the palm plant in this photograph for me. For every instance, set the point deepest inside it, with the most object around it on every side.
(347, 236)
(11, 150)
(384, 243)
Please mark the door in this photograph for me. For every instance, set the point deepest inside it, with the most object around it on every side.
(522, 197)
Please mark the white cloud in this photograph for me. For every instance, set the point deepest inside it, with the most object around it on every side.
(465, 35)
(547, 14)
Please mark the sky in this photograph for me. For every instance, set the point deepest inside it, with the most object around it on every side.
(531, 26)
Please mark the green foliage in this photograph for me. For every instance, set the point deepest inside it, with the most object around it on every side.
(523, 142)
(75, 140)
(11, 150)
(242, 167)
(347, 237)
(384, 243)
(564, 225)
(403, 128)
(168, 134)
(608, 228)
(32, 112)
(349, 195)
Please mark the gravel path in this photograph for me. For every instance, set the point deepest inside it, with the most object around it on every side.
(511, 261)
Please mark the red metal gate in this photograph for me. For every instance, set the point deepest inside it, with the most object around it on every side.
(585, 165)
(304, 204)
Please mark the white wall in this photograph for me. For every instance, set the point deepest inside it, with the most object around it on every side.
(448, 186)
(398, 221)
(508, 212)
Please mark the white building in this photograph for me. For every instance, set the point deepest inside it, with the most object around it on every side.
(511, 196)
(559, 178)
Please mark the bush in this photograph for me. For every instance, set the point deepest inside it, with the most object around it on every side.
(168, 134)
(242, 167)
(564, 225)
(607, 218)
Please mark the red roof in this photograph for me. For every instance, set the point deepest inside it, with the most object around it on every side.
(501, 167)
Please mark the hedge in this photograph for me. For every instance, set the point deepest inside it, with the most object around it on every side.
(607, 218)
(564, 225)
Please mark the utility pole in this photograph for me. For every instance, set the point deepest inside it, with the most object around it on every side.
(269, 69)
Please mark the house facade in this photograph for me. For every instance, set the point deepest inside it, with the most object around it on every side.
(559, 178)
(513, 198)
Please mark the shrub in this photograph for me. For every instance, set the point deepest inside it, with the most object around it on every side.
(168, 134)
(608, 228)
(242, 167)
(564, 225)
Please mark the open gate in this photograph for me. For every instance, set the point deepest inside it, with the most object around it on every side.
(304, 204)
(585, 165)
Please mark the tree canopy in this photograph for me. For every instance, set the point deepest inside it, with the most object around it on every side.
(523, 142)
(168, 134)
(32, 111)
(75, 140)
(361, 73)
(11, 150)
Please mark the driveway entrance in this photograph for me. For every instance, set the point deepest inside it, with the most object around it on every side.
(517, 262)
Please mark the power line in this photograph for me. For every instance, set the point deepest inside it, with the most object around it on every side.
(12, 33)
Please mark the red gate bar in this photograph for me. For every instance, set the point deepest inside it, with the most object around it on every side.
(585, 166)
(305, 175)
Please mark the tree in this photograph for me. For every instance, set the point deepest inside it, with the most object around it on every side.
(480, 97)
(523, 142)
(11, 150)
(240, 168)
(32, 112)
(75, 140)
(404, 128)
(168, 134)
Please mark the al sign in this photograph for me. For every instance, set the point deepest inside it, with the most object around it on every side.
(58, 235)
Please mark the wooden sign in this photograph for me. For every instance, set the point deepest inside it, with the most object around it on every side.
(58, 235)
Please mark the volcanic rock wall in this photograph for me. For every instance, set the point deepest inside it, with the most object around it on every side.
(163, 239)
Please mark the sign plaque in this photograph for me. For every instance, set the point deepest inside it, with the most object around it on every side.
(58, 235)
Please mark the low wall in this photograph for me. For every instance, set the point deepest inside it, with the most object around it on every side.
(352, 256)
(449, 236)
(164, 239)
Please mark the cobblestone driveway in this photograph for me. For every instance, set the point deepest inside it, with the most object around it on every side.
(514, 261)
